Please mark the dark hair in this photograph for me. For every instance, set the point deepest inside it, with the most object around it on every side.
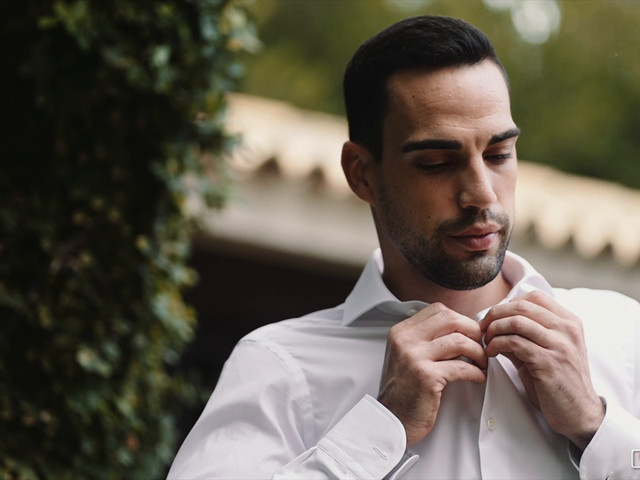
(419, 42)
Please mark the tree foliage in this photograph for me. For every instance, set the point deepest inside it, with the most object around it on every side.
(575, 97)
(109, 110)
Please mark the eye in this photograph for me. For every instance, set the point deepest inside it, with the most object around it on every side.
(498, 157)
(435, 167)
(501, 152)
(501, 157)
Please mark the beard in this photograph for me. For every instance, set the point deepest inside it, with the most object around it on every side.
(428, 254)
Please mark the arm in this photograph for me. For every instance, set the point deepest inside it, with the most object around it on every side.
(258, 424)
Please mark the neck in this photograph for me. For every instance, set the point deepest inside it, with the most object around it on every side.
(407, 284)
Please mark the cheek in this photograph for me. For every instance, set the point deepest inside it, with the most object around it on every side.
(505, 188)
(426, 209)
(413, 196)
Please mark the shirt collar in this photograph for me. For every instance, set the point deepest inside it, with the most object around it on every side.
(371, 296)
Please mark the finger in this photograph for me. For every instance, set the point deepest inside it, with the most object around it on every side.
(454, 370)
(523, 308)
(437, 320)
(456, 345)
(510, 356)
(522, 326)
(547, 302)
(539, 298)
(516, 346)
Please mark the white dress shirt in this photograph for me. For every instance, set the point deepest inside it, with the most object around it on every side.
(296, 400)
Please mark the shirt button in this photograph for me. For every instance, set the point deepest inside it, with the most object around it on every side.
(492, 424)
(411, 312)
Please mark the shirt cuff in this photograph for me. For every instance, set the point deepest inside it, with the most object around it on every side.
(371, 441)
(609, 454)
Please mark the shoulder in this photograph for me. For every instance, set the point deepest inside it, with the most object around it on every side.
(317, 336)
(611, 323)
(294, 328)
(610, 319)
(272, 354)
(316, 355)
(319, 342)
(592, 303)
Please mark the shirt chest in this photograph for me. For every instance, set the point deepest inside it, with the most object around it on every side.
(486, 430)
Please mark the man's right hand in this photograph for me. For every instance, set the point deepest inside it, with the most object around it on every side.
(422, 358)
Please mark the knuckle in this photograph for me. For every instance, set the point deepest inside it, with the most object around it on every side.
(522, 307)
(395, 337)
(517, 323)
(537, 296)
(458, 338)
(563, 353)
(406, 357)
(438, 307)
(575, 330)
(424, 375)
(515, 341)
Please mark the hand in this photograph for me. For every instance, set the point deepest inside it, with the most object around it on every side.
(422, 358)
(545, 342)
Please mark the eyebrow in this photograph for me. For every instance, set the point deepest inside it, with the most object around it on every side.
(501, 137)
(442, 144)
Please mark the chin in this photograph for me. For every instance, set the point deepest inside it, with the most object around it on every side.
(476, 270)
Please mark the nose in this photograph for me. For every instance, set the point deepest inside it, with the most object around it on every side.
(476, 187)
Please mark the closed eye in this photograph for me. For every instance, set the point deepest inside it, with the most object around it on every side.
(435, 167)
(499, 157)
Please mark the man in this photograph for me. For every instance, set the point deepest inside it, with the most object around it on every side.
(451, 358)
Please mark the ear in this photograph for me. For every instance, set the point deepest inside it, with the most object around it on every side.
(359, 168)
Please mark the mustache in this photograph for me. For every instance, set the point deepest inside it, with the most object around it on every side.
(455, 225)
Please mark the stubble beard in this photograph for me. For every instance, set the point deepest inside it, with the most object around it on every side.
(430, 258)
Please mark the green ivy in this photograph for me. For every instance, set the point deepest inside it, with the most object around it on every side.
(113, 114)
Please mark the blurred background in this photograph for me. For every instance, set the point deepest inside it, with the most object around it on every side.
(171, 181)
(574, 68)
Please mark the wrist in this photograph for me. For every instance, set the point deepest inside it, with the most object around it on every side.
(592, 419)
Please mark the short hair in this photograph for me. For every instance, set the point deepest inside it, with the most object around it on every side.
(431, 42)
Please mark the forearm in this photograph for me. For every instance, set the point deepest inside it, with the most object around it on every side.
(259, 423)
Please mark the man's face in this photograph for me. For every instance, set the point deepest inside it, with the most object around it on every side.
(445, 184)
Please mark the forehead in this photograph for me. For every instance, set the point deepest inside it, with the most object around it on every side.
(468, 97)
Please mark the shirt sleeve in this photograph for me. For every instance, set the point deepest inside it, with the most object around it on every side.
(610, 454)
(367, 443)
(614, 451)
(258, 424)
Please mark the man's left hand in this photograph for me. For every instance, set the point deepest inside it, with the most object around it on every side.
(546, 344)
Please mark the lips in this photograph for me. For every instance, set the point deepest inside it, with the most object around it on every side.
(478, 238)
